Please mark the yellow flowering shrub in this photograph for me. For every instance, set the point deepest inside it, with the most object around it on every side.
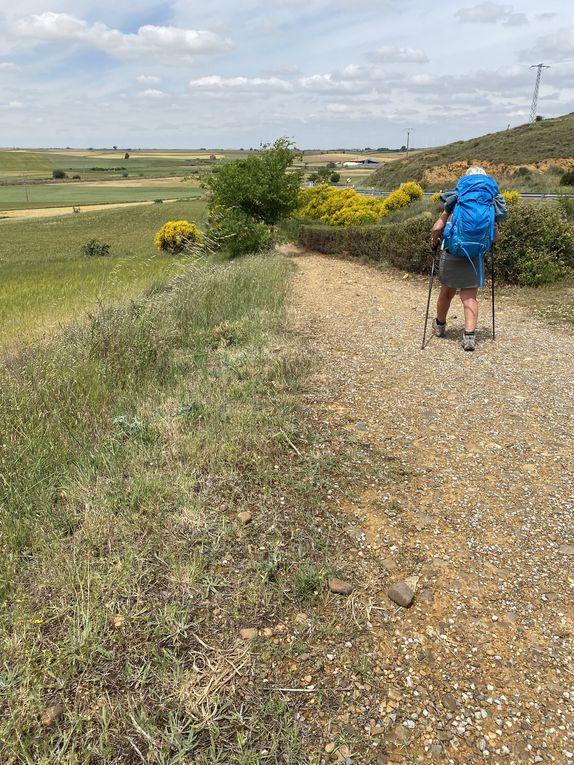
(436, 197)
(175, 235)
(511, 197)
(345, 207)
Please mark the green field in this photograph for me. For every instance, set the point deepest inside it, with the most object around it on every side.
(107, 164)
(20, 197)
(46, 282)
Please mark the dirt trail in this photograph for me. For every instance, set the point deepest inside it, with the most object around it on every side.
(480, 508)
(51, 212)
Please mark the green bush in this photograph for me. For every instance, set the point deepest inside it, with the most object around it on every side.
(404, 245)
(260, 186)
(567, 206)
(93, 248)
(536, 245)
(59, 174)
(567, 178)
(235, 233)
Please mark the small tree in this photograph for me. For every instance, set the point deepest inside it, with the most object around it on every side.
(335, 177)
(260, 186)
(323, 174)
(59, 174)
(127, 155)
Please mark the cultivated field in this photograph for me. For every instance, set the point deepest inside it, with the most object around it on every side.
(46, 282)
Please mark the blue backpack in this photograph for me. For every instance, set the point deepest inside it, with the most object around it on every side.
(470, 230)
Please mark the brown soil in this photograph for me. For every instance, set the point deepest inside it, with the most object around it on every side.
(453, 170)
(50, 212)
(471, 493)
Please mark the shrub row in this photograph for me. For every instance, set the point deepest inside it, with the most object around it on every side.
(404, 245)
(536, 244)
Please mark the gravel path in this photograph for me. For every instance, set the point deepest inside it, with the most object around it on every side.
(481, 512)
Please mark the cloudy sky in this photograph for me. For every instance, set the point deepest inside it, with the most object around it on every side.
(328, 73)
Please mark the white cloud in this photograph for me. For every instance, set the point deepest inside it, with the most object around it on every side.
(553, 47)
(326, 83)
(12, 105)
(216, 83)
(490, 13)
(8, 66)
(339, 108)
(149, 40)
(402, 55)
(148, 79)
(151, 93)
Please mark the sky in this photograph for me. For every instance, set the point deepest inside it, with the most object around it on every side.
(325, 73)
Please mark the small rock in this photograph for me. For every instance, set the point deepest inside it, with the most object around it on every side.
(118, 621)
(566, 549)
(248, 633)
(377, 730)
(339, 587)
(268, 632)
(449, 701)
(245, 517)
(51, 714)
(401, 594)
(399, 735)
(330, 747)
(362, 426)
(301, 618)
(436, 750)
(425, 596)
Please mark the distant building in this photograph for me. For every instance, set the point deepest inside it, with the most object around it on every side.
(362, 163)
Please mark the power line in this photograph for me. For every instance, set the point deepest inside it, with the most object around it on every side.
(534, 106)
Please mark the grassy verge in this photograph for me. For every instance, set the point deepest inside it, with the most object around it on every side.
(129, 449)
(46, 281)
(552, 302)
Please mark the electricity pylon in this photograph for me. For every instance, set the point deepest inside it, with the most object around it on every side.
(534, 106)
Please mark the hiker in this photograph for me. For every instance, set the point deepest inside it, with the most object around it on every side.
(468, 227)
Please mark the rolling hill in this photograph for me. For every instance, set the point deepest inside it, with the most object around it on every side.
(539, 146)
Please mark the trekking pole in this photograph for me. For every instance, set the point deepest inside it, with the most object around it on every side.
(434, 249)
(492, 280)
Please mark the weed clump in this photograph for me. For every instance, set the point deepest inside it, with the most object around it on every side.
(94, 248)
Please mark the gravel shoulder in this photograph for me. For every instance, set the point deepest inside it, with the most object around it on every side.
(478, 512)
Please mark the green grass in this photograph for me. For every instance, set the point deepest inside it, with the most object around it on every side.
(38, 165)
(525, 144)
(19, 197)
(24, 162)
(46, 282)
(129, 447)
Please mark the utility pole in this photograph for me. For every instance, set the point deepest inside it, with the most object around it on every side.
(534, 106)
(409, 131)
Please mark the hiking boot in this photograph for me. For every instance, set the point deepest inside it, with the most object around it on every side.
(468, 341)
(439, 329)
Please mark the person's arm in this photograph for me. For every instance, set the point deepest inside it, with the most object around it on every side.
(438, 228)
(500, 208)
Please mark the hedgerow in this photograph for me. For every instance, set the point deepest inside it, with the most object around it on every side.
(536, 244)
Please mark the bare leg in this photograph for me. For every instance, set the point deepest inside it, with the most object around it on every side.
(470, 303)
(445, 297)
